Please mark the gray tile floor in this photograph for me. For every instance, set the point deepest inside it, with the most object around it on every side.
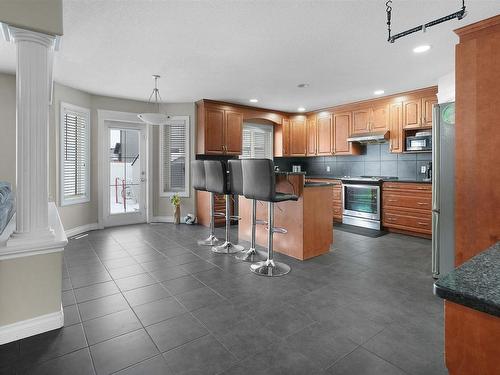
(146, 299)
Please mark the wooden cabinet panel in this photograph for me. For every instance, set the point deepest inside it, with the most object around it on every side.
(298, 136)
(337, 194)
(405, 200)
(286, 137)
(427, 104)
(214, 131)
(342, 131)
(379, 118)
(412, 113)
(396, 127)
(361, 121)
(311, 136)
(337, 212)
(413, 222)
(233, 132)
(405, 186)
(324, 135)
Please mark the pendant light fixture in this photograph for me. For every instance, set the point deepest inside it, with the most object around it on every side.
(155, 118)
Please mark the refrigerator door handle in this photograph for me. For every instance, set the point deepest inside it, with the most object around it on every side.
(435, 245)
(435, 156)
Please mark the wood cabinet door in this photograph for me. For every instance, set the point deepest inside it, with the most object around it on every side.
(341, 130)
(361, 121)
(311, 136)
(427, 104)
(233, 132)
(396, 127)
(379, 118)
(286, 137)
(325, 135)
(298, 136)
(214, 131)
(412, 114)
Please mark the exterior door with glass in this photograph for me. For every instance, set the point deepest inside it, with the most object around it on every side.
(125, 182)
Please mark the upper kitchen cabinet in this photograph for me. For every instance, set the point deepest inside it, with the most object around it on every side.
(324, 134)
(286, 137)
(219, 130)
(298, 136)
(417, 112)
(395, 127)
(379, 117)
(341, 131)
(361, 121)
(427, 104)
(311, 134)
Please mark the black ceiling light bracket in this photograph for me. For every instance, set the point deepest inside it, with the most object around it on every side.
(392, 38)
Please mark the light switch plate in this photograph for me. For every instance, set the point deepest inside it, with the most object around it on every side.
(423, 169)
(328, 168)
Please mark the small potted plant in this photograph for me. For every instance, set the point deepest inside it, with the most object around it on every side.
(175, 200)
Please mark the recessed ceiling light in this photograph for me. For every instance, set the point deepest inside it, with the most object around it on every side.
(301, 109)
(378, 92)
(422, 48)
(254, 100)
(303, 85)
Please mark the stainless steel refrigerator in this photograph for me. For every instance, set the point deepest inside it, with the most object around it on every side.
(443, 189)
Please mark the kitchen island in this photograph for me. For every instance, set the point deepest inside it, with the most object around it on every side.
(308, 220)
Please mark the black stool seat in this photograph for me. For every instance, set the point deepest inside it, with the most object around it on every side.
(235, 176)
(198, 168)
(216, 177)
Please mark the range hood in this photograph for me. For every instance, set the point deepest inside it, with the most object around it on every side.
(376, 137)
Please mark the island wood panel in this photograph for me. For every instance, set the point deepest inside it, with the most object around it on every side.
(471, 341)
(309, 234)
(203, 208)
(477, 138)
(336, 198)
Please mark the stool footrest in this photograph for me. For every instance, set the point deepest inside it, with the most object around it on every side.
(261, 222)
(235, 217)
(219, 214)
(279, 230)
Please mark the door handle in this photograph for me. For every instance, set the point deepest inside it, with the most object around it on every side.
(143, 179)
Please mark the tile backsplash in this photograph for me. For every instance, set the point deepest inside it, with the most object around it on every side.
(376, 160)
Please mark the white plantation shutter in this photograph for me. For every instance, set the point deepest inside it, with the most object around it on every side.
(174, 155)
(75, 154)
(257, 141)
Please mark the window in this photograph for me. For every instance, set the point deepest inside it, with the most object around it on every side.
(75, 155)
(174, 157)
(257, 141)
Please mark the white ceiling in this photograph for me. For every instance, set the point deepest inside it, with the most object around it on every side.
(236, 50)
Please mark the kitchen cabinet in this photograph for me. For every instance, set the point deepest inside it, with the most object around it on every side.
(379, 118)
(324, 134)
(312, 137)
(286, 137)
(360, 121)
(407, 207)
(417, 112)
(298, 136)
(396, 127)
(342, 131)
(336, 196)
(219, 130)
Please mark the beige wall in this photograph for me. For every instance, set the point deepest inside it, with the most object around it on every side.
(45, 16)
(161, 205)
(85, 213)
(30, 287)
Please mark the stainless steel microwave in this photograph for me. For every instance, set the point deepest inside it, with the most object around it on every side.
(421, 141)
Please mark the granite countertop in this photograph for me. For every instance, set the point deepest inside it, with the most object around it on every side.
(317, 184)
(290, 173)
(475, 284)
(388, 180)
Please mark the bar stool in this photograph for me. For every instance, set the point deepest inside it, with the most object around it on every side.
(199, 183)
(217, 182)
(236, 183)
(259, 183)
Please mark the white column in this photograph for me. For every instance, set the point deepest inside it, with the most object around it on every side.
(33, 75)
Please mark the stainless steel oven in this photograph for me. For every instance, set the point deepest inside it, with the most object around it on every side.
(361, 201)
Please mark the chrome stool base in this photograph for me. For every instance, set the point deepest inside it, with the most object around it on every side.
(270, 268)
(250, 255)
(227, 248)
(210, 241)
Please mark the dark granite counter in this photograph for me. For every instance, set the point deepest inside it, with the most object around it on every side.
(317, 184)
(388, 180)
(290, 173)
(475, 284)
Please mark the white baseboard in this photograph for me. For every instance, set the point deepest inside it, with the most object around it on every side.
(31, 327)
(81, 229)
(162, 219)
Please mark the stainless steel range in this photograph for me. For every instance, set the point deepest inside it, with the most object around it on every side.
(361, 197)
